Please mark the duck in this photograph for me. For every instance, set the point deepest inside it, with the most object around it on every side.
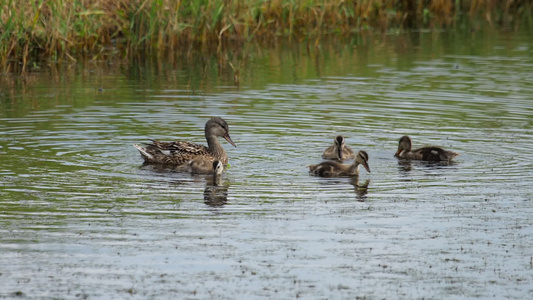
(200, 166)
(339, 150)
(181, 152)
(218, 168)
(337, 169)
(428, 153)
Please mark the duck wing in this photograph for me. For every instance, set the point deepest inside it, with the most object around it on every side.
(347, 153)
(181, 148)
(173, 153)
(435, 154)
(330, 153)
(326, 169)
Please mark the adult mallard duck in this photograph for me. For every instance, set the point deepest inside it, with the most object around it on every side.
(337, 169)
(429, 153)
(180, 152)
(339, 150)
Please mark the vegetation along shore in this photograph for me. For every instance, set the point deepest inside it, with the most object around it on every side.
(57, 30)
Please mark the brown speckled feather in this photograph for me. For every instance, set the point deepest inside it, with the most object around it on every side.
(176, 153)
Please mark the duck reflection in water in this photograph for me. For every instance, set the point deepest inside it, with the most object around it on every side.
(406, 165)
(216, 192)
(361, 189)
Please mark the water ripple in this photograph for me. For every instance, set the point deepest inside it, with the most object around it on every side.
(77, 200)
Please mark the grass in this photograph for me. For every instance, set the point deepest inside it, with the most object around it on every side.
(57, 30)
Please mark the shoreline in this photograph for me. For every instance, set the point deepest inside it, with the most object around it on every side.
(35, 32)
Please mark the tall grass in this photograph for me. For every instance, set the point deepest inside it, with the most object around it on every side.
(31, 30)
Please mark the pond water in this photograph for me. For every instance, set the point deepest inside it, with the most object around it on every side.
(81, 217)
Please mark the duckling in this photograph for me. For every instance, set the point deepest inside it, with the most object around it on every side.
(337, 169)
(215, 192)
(339, 150)
(429, 153)
(180, 152)
(200, 166)
(218, 168)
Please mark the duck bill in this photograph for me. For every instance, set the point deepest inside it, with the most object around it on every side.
(227, 138)
(398, 153)
(366, 167)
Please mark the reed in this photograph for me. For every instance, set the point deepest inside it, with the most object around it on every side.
(57, 30)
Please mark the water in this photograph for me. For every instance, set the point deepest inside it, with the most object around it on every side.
(82, 218)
